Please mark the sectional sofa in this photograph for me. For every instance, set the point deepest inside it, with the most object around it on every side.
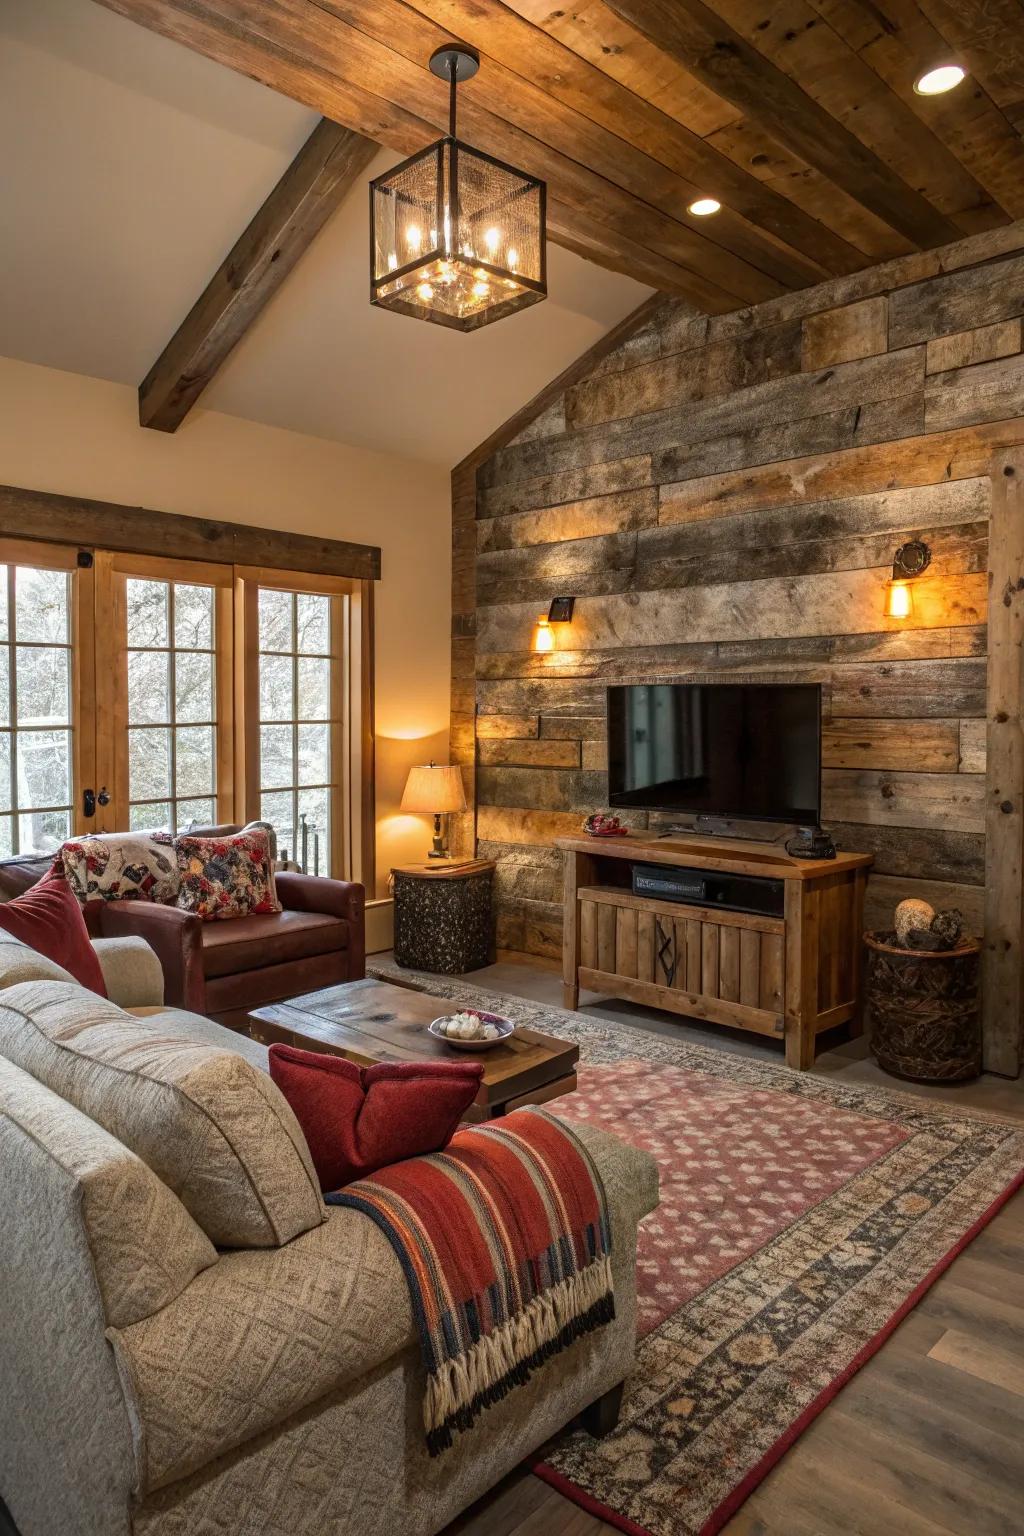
(193, 1344)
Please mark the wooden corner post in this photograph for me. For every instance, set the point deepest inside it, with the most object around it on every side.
(1003, 954)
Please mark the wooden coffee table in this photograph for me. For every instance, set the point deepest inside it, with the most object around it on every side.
(370, 1021)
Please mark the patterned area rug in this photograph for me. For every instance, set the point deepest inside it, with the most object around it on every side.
(800, 1220)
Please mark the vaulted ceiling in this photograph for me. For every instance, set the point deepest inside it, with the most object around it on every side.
(798, 116)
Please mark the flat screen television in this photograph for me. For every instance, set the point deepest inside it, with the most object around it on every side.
(717, 749)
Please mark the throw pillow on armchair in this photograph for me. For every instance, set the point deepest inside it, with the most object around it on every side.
(358, 1119)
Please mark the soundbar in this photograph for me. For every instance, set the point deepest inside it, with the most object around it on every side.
(711, 888)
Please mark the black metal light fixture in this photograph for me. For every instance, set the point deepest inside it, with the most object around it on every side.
(910, 560)
(456, 236)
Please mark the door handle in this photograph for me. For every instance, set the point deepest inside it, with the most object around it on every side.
(90, 800)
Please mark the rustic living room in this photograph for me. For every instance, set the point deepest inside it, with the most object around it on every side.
(512, 768)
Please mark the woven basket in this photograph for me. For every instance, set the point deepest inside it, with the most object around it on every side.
(924, 1009)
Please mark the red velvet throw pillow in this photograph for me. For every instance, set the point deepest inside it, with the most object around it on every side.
(358, 1119)
(48, 918)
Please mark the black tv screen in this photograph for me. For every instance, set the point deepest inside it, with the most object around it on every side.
(717, 749)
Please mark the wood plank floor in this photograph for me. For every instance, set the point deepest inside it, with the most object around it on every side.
(927, 1439)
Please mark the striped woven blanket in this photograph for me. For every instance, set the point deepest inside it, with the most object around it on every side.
(505, 1244)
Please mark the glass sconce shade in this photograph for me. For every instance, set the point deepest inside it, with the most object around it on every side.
(457, 237)
(543, 635)
(899, 600)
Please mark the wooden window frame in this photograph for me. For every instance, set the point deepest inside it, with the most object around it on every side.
(352, 824)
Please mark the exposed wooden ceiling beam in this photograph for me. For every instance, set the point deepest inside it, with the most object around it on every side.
(989, 37)
(295, 47)
(708, 47)
(897, 40)
(520, 58)
(313, 186)
(809, 48)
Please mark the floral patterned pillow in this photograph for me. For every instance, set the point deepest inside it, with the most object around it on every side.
(122, 866)
(226, 876)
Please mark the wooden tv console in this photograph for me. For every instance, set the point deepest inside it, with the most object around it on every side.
(790, 976)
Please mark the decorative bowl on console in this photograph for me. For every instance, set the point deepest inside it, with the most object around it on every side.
(604, 824)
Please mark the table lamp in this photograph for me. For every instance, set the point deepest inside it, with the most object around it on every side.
(435, 790)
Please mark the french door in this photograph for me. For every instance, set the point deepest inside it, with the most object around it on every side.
(141, 693)
(165, 685)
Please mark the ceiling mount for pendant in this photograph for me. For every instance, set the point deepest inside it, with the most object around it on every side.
(463, 60)
(457, 236)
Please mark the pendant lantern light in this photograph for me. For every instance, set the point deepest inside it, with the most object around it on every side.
(456, 236)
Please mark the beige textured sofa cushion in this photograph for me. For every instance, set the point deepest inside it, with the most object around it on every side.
(145, 1247)
(212, 1126)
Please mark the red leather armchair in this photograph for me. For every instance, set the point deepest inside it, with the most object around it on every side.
(223, 969)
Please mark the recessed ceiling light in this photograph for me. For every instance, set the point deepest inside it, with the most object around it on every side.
(703, 206)
(934, 81)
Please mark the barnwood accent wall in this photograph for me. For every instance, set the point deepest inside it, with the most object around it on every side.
(724, 496)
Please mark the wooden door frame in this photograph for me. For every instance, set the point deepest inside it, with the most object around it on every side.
(113, 569)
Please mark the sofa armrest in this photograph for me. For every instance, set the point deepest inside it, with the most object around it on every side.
(132, 973)
(177, 938)
(629, 1174)
(337, 898)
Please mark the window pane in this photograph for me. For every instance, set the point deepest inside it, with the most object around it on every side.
(149, 764)
(42, 686)
(5, 685)
(149, 818)
(314, 624)
(276, 767)
(275, 611)
(314, 689)
(277, 809)
(6, 837)
(276, 702)
(315, 853)
(5, 770)
(3, 607)
(148, 688)
(41, 604)
(44, 768)
(199, 813)
(193, 686)
(193, 617)
(43, 831)
(147, 612)
(314, 754)
(193, 760)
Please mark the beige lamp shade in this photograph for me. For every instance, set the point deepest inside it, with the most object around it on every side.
(433, 789)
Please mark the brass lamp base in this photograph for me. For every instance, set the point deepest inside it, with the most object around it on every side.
(440, 849)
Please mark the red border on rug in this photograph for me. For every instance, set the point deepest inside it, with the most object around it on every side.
(743, 1489)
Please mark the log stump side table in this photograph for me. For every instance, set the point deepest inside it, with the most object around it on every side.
(924, 1009)
(443, 916)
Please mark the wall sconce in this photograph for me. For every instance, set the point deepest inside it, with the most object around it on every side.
(909, 561)
(560, 612)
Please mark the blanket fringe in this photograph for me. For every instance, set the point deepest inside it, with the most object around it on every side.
(461, 1387)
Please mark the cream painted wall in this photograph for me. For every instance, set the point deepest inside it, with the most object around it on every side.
(80, 436)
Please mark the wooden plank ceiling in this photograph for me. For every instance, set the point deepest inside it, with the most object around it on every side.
(799, 116)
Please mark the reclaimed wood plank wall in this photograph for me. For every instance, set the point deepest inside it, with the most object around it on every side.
(723, 495)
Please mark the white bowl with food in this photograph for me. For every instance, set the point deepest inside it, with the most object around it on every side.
(471, 1029)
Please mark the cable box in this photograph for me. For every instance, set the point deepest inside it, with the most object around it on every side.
(711, 888)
